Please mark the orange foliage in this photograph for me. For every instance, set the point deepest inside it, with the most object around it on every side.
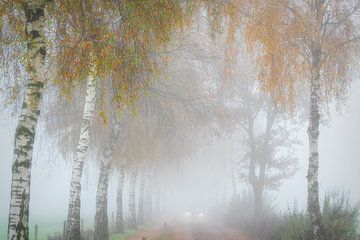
(123, 37)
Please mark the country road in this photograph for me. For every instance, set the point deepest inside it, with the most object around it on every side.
(190, 231)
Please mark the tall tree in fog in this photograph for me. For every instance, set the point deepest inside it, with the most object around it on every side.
(268, 160)
(32, 19)
(101, 218)
(312, 43)
(94, 36)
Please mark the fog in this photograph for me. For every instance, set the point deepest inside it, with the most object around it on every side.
(187, 120)
(195, 183)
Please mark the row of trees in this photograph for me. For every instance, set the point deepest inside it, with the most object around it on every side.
(100, 43)
(115, 50)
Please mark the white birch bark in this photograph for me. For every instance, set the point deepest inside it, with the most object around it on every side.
(132, 203)
(313, 129)
(101, 218)
(73, 217)
(313, 169)
(26, 128)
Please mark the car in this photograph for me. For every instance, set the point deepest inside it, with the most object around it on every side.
(194, 214)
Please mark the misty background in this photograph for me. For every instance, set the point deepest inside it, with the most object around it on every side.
(339, 169)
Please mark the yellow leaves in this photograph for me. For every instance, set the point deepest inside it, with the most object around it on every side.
(270, 37)
(284, 38)
(103, 116)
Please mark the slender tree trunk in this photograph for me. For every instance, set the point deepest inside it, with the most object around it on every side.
(313, 170)
(26, 128)
(73, 217)
(266, 153)
(141, 202)
(119, 203)
(101, 218)
(252, 166)
(313, 129)
(132, 210)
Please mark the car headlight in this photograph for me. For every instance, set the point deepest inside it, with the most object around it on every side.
(201, 214)
(188, 214)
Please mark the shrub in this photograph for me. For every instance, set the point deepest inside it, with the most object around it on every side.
(340, 220)
(340, 217)
(294, 226)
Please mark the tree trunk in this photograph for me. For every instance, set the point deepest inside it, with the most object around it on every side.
(132, 210)
(313, 170)
(119, 203)
(73, 217)
(141, 202)
(26, 128)
(266, 153)
(313, 129)
(101, 219)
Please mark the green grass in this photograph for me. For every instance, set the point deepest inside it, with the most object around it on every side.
(55, 226)
(3, 230)
(46, 226)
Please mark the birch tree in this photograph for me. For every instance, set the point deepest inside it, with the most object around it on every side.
(34, 25)
(101, 218)
(312, 43)
(75, 19)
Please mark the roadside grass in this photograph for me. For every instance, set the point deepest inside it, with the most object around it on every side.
(46, 227)
(42, 232)
(3, 230)
(56, 227)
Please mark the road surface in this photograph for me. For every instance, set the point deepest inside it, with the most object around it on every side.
(190, 231)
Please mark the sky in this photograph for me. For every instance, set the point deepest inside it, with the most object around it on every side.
(339, 169)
